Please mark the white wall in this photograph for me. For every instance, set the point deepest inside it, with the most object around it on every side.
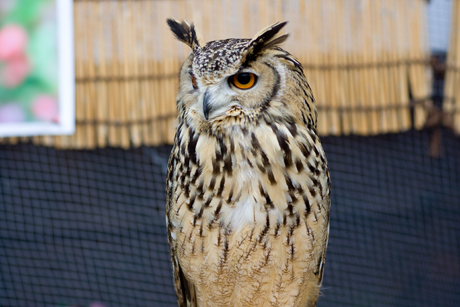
(439, 18)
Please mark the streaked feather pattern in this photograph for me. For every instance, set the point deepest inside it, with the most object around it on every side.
(248, 191)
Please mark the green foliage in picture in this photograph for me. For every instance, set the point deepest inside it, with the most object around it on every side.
(28, 61)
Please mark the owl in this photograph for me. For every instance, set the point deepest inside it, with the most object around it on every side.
(248, 188)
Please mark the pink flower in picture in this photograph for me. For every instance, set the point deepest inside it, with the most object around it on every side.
(96, 304)
(15, 71)
(11, 113)
(45, 107)
(13, 40)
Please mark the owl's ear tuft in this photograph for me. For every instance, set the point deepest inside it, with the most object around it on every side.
(265, 38)
(185, 32)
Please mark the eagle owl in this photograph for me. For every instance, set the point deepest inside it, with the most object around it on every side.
(248, 189)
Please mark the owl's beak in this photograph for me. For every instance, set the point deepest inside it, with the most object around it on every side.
(216, 102)
(206, 105)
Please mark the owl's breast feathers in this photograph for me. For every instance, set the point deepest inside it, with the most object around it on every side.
(248, 212)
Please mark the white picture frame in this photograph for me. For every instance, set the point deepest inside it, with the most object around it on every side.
(66, 83)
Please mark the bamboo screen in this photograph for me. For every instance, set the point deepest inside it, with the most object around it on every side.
(364, 59)
(451, 104)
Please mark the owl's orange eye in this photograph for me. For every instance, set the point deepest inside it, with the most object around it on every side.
(195, 85)
(244, 80)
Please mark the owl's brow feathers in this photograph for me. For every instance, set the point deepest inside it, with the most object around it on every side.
(265, 38)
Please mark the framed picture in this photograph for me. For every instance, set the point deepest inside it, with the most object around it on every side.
(37, 78)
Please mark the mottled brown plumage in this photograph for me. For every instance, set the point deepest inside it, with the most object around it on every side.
(248, 189)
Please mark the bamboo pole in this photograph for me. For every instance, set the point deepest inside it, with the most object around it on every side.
(172, 65)
(88, 71)
(402, 84)
(124, 14)
(363, 73)
(370, 71)
(380, 74)
(101, 85)
(356, 91)
(452, 80)
(319, 75)
(332, 59)
(456, 70)
(130, 70)
(112, 86)
(344, 86)
(164, 82)
(416, 70)
(391, 81)
(148, 134)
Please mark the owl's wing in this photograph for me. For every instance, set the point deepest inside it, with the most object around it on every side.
(322, 260)
(186, 295)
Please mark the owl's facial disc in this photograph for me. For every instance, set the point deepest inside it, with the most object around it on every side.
(244, 91)
(218, 99)
(229, 94)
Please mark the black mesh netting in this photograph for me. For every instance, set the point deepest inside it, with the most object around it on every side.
(78, 227)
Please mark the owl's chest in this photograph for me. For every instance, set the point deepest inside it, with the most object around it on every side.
(255, 264)
(242, 178)
(248, 217)
(231, 177)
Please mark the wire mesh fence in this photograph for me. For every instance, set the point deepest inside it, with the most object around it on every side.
(87, 227)
(78, 226)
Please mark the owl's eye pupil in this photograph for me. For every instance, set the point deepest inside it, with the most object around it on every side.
(244, 80)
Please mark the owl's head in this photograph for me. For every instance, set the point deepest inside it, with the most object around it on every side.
(241, 78)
